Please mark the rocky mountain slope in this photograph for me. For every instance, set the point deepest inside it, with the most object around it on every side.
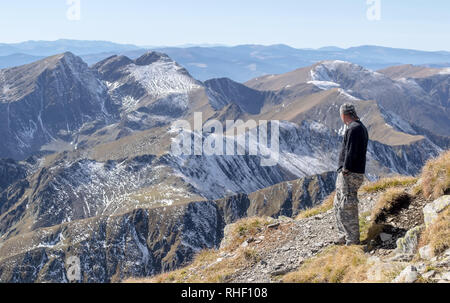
(404, 103)
(94, 171)
(46, 102)
(412, 71)
(145, 242)
(404, 227)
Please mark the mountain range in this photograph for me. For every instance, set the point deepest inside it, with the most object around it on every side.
(239, 63)
(88, 168)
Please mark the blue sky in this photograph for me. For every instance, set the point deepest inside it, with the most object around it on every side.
(304, 24)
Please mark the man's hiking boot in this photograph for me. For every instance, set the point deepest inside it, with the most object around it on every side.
(352, 243)
(343, 241)
(340, 241)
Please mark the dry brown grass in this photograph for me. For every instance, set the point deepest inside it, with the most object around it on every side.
(324, 207)
(386, 183)
(369, 222)
(368, 229)
(209, 267)
(436, 177)
(390, 200)
(337, 264)
(244, 229)
(438, 234)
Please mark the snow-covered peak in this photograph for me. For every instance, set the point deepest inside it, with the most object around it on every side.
(445, 71)
(334, 64)
(331, 74)
(347, 94)
(155, 73)
(325, 85)
(323, 74)
(163, 77)
(328, 70)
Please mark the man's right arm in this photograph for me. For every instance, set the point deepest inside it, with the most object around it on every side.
(349, 150)
(342, 153)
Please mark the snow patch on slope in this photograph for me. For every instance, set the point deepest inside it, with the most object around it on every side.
(324, 85)
(396, 121)
(322, 74)
(445, 71)
(347, 95)
(304, 151)
(163, 78)
(329, 70)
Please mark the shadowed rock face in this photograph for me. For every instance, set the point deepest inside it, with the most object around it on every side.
(289, 198)
(109, 69)
(438, 86)
(10, 172)
(48, 100)
(151, 57)
(230, 92)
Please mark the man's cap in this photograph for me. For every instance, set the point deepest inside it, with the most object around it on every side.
(348, 109)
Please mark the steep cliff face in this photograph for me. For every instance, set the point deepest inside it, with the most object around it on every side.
(438, 86)
(403, 159)
(288, 198)
(10, 172)
(46, 101)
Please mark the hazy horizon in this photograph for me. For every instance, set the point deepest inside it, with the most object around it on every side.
(300, 24)
(220, 45)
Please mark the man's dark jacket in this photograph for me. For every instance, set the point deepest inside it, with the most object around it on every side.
(354, 148)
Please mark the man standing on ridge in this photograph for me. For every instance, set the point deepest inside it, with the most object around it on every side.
(352, 167)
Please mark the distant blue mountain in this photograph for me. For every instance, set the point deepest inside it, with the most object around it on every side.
(49, 48)
(245, 62)
(240, 63)
(17, 59)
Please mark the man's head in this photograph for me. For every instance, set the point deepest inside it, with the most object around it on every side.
(348, 113)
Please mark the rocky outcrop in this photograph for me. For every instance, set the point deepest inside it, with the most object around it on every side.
(408, 244)
(408, 275)
(432, 210)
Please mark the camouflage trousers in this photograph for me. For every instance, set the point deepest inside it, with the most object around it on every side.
(346, 206)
